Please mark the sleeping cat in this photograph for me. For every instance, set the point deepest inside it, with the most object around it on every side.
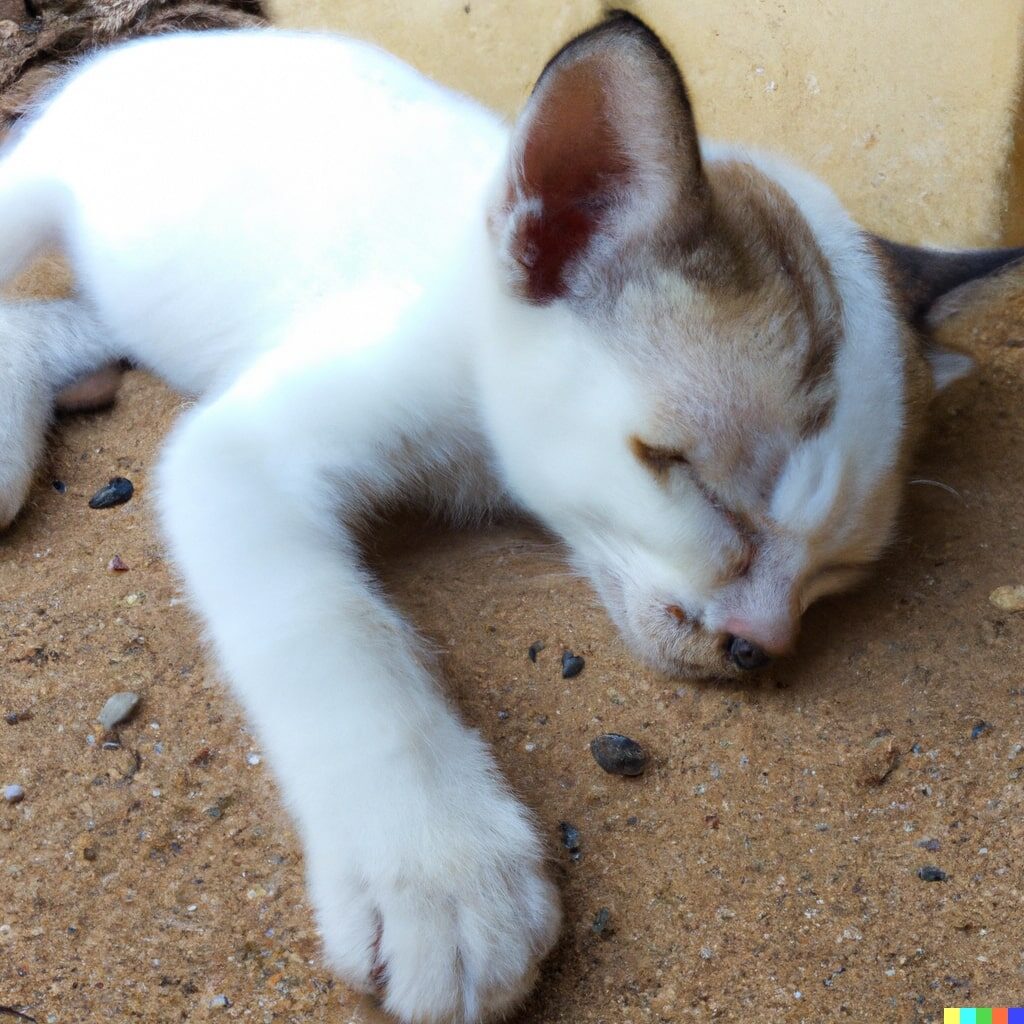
(682, 357)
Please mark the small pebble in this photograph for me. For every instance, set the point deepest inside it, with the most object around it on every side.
(1009, 598)
(252, 759)
(571, 840)
(931, 845)
(879, 761)
(502, 716)
(601, 919)
(917, 749)
(219, 1002)
(12, 718)
(214, 812)
(535, 648)
(930, 873)
(572, 664)
(14, 793)
(116, 492)
(119, 708)
(618, 755)
(59, 486)
(117, 564)
(980, 728)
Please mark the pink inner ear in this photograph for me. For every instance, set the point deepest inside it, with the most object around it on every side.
(574, 163)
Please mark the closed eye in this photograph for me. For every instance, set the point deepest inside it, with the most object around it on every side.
(659, 461)
(655, 458)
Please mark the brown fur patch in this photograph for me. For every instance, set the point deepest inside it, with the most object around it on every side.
(760, 239)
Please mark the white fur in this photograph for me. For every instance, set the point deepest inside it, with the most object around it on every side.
(294, 226)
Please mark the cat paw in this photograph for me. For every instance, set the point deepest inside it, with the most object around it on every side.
(446, 925)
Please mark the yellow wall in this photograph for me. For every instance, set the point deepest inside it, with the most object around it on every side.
(906, 107)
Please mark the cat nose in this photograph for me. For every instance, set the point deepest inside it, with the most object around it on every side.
(743, 654)
(771, 638)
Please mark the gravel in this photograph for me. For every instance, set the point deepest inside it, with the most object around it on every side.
(618, 755)
(119, 708)
(571, 840)
(572, 664)
(116, 492)
(1009, 598)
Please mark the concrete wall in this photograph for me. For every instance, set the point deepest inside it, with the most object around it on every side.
(906, 107)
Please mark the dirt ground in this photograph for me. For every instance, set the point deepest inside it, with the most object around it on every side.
(761, 870)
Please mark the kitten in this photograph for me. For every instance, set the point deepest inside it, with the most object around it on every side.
(683, 358)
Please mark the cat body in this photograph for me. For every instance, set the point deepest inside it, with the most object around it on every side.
(686, 360)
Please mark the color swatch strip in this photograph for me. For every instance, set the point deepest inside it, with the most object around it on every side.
(983, 1015)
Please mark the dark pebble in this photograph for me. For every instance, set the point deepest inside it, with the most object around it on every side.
(502, 716)
(917, 749)
(572, 664)
(980, 729)
(601, 919)
(571, 839)
(618, 755)
(214, 812)
(117, 492)
(931, 845)
(930, 873)
(59, 486)
(535, 648)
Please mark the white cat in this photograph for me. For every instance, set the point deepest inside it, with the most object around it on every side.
(687, 361)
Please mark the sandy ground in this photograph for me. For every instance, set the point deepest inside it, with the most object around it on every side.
(760, 870)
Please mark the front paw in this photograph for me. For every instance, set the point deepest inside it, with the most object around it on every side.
(446, 917)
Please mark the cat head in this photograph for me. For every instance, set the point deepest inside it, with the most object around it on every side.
(707, 378)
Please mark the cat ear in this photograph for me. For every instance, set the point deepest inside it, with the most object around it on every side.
(603, 155)
(932, 285)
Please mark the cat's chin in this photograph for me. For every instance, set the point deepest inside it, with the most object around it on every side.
(657, 637)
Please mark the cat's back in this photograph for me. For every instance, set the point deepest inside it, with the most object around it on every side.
(228, 179)
(216, 115)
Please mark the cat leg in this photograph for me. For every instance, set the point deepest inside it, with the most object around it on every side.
(425, 872)
(44, 347)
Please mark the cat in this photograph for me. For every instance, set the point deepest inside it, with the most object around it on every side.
(684, 358)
